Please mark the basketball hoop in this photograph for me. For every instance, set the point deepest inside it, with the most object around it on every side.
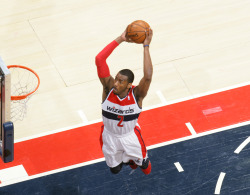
(24, 83)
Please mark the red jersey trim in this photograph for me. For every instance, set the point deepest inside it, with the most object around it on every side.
(128, 100)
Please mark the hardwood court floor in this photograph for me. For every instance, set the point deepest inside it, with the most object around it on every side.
(198, 46)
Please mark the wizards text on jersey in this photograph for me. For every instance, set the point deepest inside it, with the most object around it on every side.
(120, 115)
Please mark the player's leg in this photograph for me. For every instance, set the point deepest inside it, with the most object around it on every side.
(146, 164)
(112, 152)
(135, 151)
(116, 169)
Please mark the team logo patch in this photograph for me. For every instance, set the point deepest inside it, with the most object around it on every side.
(138, 161)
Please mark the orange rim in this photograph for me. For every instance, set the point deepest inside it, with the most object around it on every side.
(21, 97)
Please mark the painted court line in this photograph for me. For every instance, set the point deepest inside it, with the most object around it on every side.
(219, 183)
(242, 145)
(222, 89)
(161, 96)
(198, 135)
(83, 116)
(21, 179)
(12, 173)
(179, 167)
(212, 110)
(190, 128)
(199, 95)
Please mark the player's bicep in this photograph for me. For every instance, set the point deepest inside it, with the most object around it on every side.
(142, 89)
(107, 83)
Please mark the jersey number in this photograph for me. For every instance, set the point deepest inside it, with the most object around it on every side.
(121, 120)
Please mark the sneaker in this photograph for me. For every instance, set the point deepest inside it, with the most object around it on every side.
(147, 170)
(132, 164)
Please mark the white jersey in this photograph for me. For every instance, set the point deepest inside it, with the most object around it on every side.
(120, 115)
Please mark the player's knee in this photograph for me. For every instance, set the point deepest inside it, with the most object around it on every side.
(116, 169)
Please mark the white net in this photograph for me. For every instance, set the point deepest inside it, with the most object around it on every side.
(24, 83)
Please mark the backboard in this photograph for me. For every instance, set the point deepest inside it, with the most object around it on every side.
(6, 130)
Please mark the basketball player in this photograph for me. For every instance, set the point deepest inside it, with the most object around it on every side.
(122, 103)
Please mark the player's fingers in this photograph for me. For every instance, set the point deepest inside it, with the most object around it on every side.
(126, 30)
(128, 39)
(150, 31)
(147, 33)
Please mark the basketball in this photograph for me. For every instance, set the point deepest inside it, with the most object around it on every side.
(136, 31)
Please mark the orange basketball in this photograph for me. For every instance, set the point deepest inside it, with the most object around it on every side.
(136, 31)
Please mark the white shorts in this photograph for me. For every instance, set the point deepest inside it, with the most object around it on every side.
(118, 149)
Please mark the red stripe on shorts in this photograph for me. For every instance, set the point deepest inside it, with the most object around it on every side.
(101, 142)
(143, 147)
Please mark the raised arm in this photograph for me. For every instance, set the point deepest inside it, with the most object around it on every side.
(141, 90)
(102, 67)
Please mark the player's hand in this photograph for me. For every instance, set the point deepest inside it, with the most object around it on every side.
(149, 36)
(125, 36)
